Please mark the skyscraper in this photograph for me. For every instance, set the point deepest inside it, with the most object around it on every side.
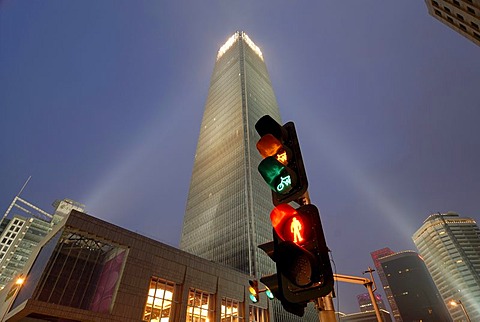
(463, 16)
(450, 246)
(228, 206)
(413, 289)
(376, 255)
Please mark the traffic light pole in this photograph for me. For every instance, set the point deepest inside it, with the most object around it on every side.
(326, 310)
(365, 282)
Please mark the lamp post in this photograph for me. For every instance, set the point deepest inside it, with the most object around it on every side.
(455, 303)
(13, 292)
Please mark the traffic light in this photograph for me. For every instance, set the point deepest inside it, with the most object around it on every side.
(298, 248)
(302, 252)
(253, 290)
(282, 167)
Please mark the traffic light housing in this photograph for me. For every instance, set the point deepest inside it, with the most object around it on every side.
(298, 248)
(302, 253)
(253, 291)
(282, 167)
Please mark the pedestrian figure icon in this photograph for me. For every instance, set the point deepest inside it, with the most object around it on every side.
(295, 228)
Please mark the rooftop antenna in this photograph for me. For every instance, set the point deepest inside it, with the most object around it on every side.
(23, 187)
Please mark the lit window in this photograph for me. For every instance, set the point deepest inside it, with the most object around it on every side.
(229, 310)
(257, 314)
(200, 306)
(159, 301)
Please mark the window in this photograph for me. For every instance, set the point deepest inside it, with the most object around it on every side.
(456, 3)
(200, 306)
(470, 10)
(474, 25)
(159, 300)
(463, 27)
(257, 314)
(229, 310)
(446, 9)
(450, 19)
(476, 35)
(438, 13)
(459, 16)
(435, 3)
(82, 272)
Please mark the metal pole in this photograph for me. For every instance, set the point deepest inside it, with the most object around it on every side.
(326, 310)
(374, 301)
(464, 311)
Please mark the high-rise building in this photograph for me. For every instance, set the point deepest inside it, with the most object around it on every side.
(450, 246)
(463, 16)
(22, 228)
(228, 206)
(413, 289)
(376, 255)
(365, 302)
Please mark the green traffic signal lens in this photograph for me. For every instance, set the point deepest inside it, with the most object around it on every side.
(276, 175)
(269, 293)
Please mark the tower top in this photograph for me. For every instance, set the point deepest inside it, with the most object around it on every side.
(236, 36)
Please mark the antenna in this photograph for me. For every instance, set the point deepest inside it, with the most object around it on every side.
(24, 185)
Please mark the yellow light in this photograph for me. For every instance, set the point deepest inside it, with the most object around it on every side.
(453, 303)
(20, 281)
(282, 157)
(252, 291)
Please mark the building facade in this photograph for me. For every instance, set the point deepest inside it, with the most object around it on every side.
(22, 228)
(89, 270)
(463, 16)
(376, 255)
(450, 246)
(228, 205)
(413, 289)
(365, 303)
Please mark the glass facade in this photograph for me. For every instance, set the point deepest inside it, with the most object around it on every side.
(450, 247)
(76, 270)
(228, 206)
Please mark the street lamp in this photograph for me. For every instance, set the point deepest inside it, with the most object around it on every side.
(13, 292)
(455, 303)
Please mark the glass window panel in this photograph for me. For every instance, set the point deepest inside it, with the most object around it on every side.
(159, 300)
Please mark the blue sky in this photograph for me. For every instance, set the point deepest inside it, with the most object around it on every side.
(101, 102)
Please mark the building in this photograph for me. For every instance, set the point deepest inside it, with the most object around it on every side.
(89, 270)
(413, 289)
(22, 228)
(463, 16)
(228, 205)
(367, 316)
(450, 246)
(365, 303)
(376, 255)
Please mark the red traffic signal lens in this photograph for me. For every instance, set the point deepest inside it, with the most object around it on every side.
(290, 224)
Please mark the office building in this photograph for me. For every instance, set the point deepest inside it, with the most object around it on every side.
(376, 255)
(463, 16)
(413, 289)
(450, 247)
(22, 228)
(365, 303)
(367, 316)
(228, 205)
(89, 270)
